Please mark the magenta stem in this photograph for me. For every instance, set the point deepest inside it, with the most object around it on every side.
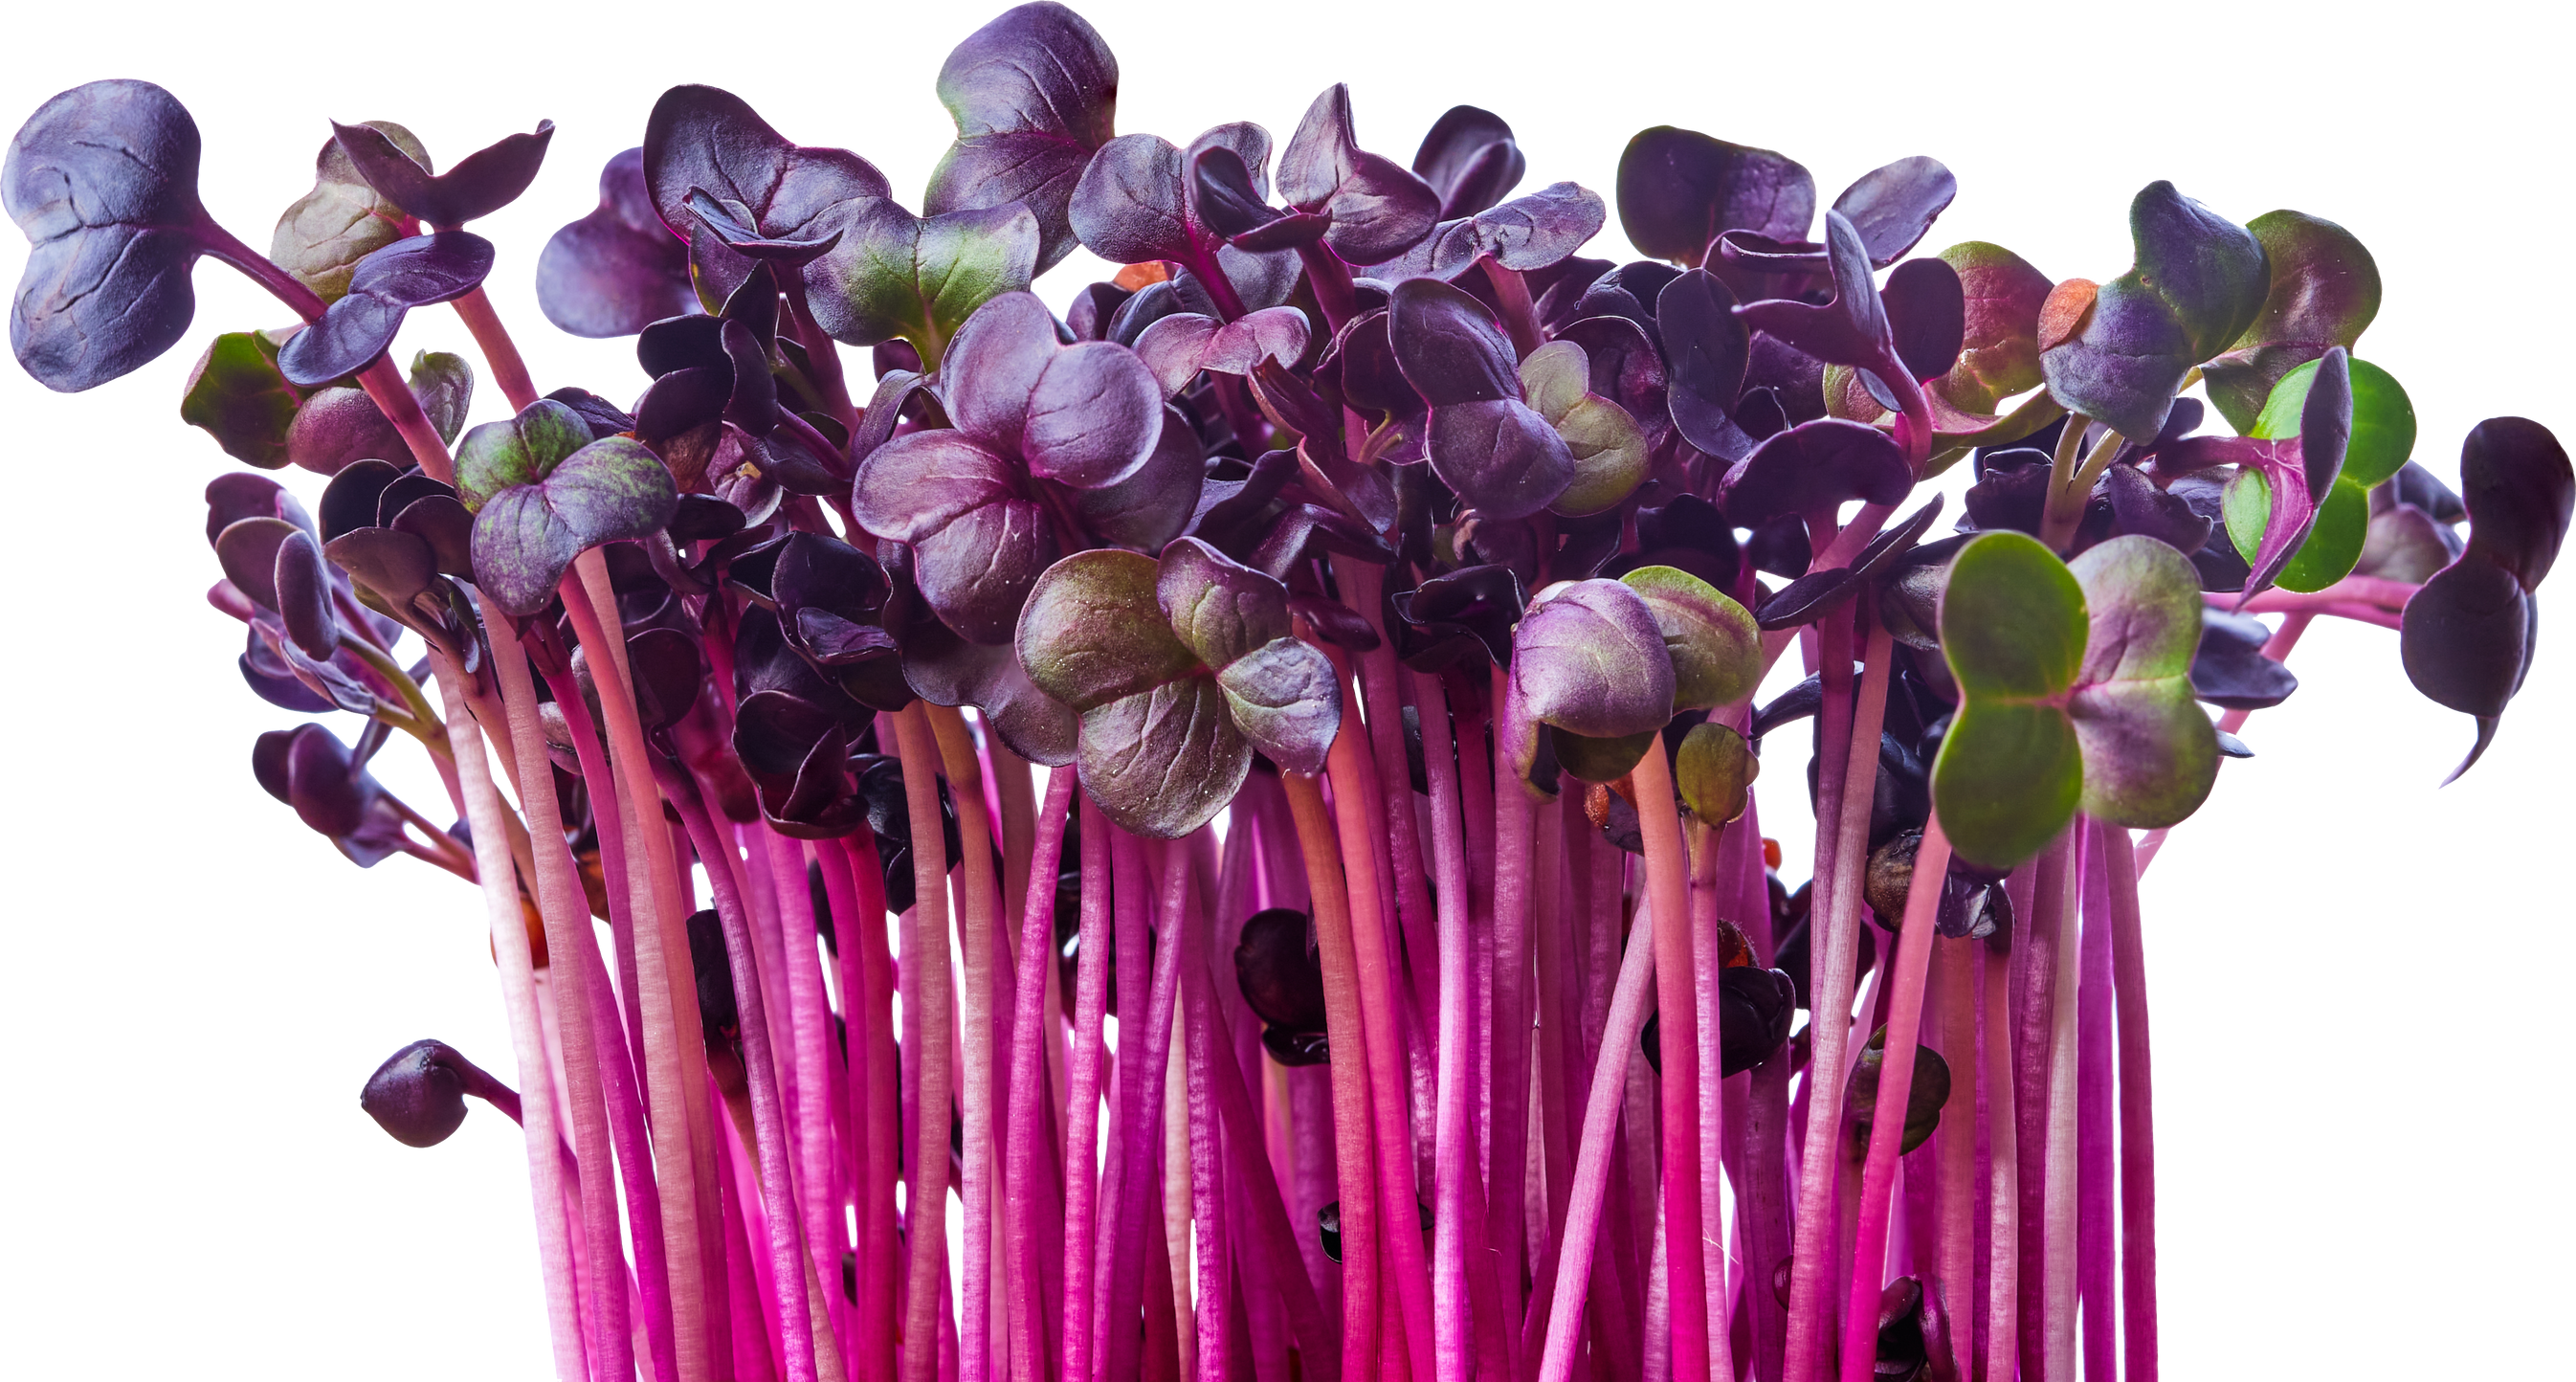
(2096, 1250)
(1081, 1169)
(1511, 855)
(2137, 1111)
(1025, 1128)
(927, 1012)
(1137, 1209)
(1451, 1322)
(1676, 1005)
(1895, 1087)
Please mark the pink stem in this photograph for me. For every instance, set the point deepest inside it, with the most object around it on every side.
(1955, 1145)
(2095, 1233)
(925, 972)
(809, 1104)
(1025, 1132)
(875, 1094)
(1895, 1088)
(1511, 853)
(1668, 884)
(1451, 1321)
(768, 1111)
(2137, 1112)
(1592, 1162)
(2058, 1239)
(2003, 1202)
(1081, 1169)
(1847, 786)
(500, 353)
(2034, 986)
(1209, 1192)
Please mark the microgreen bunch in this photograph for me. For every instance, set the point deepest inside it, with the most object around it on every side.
(1388, 976)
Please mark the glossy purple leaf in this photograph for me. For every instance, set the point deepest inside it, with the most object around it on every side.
(1500, 456)
(1679, 189)
(247, 549)
(1892, 207)
(1521, 233)
(1151, 507)
(1812, 467)
(738, 226)
(981, 539)
(1852, 329)
(481, 183)
(1706, 350)
(1379, 208)
(1084, 415)
(103, 181)
(709, 139)
(1449, 346)
(301, 586)
(1469, 158)
(526, 536)
(416, 272)
(1034, 94)
(1177, 347)
(2515, 482)
(1589, 659)
(2198, 282)
(1460, 617)
(1927, 313)
(236, 495)
(618, 269)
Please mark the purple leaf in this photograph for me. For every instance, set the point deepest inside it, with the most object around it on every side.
(1893, 206)
(1850, 330)
(1177, 347)
(1589, 659)
(416, 272)
(705, 138)
(481, 183)
(1379, 209)
(1927, 313)
(103, 180)
(1034, 94)
(1084, 415)
(1449, 347)
(735, 224)
(1469, 158)
(1679, 190)
(618, 269)
(1812, 467)
(1151, 507)
(1706, 350)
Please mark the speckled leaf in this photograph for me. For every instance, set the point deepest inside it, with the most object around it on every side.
(1163, 762)
(1285, 698)
(518, 451)
(2150, 754)
(342, 220)
(896, 274)
(1715, 770)
(527, 535)
(1589, 658)
(1093, 633)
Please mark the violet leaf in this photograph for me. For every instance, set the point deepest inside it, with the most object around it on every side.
(1706, 351)
(481, 183)
(1177, 347)
(415, 272)
(1034, 94)
(1469, 158)
(526, 536)
(712, 140)
(1927, 314)
(2229, 668)
(1815, 466)
(1085, 415)
(618, 269)
(981, 540)
(1589, 659)
(1378, 207)
(1894, 206)
(1679, 189)
(2198, 283)
(103, 181)
(1609, 451)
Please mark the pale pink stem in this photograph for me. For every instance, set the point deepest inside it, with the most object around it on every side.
(1895, 1087)
(790, 1303)
(566, 913)
(1708, 846)
(484, 812)
(754, 1355)
(1209, 1193)
(1081, 1167)
(1451, 1322)
(1955, 1144)
(1627, 1020)
(2058, 1250)
(1025, 1132)
(2137, 1112)
(1509, 856)
(2002, 1263)
(1146, 1051)
(2036, 953)
(980, 938)
(2095, 1246)
(1847, 784)
(1668, 885)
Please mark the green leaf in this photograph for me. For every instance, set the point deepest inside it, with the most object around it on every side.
(1092, 632)
(236, 394)
(2012, 619)
(2334, 543)
(1715, 771)
(1715, 646)
(1608, 447)
(2150, 753)
(444, 384)
(328, 230)
(2383, 420)
(1162, 762)
(1601, 760)
(897, 274)
(1999, 355)
(2007, 780)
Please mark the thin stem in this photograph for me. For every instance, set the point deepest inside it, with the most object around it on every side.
(1676, 1005)
(1378, 1015)
(2096, 1246)
(1592, 1162)
(484, 811)
(2070, 485)
(979, 930)
(1345, 1035)
(674, 1067)
(1331, 279)
(1511, 855)
(2058, 1244)
(926, 959)
(500, 353)
(566, 915)
(1023, 1130)
(2137, 1111)
(1450, 1319)
(1895, 1088)
(1848, 787)
(2003, 1192)
(1081, 1164)
(1954, 978)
